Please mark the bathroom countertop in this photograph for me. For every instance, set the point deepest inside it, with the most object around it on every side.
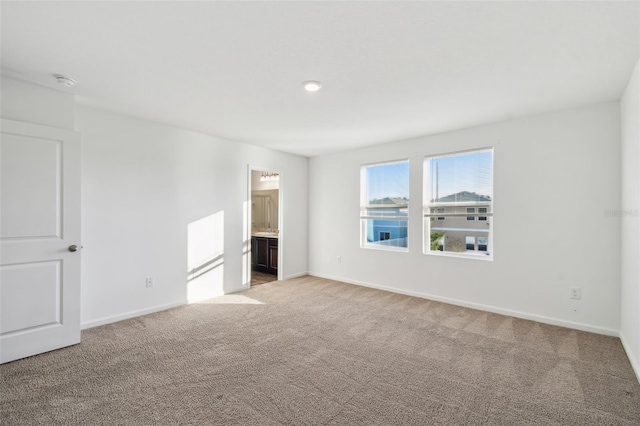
(265, 234)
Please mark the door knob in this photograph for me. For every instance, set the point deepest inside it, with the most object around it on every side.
(73, 248)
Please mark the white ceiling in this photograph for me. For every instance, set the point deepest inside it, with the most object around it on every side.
(391, 70)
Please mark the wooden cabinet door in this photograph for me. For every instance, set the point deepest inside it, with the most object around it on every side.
(262, 253)
(273, 259)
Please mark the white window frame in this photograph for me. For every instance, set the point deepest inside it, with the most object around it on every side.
(482, 218)
(428, 213)
(472, 212)
(466, 242)
(364, 205)
(478, 244)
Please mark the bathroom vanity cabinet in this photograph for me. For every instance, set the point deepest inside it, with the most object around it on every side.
(264, 254)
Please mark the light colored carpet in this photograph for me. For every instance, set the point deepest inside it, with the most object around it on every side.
(319, 352)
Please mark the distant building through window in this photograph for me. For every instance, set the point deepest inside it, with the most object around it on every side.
(384, 205)
(458, 203)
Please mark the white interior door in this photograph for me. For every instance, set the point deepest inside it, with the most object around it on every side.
(39, 221)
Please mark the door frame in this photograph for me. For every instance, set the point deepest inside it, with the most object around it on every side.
(247, 225)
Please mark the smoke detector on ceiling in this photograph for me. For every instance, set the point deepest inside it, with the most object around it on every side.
(69, 82)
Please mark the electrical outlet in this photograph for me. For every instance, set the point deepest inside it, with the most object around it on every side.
(576, 293)
(339, 259)
(149, 282)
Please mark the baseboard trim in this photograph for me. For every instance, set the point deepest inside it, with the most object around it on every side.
(479, 306)
(128, 315)
(296, 275)
(632, 359)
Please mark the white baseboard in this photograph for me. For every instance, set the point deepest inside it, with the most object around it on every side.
(127, 315)
(635, 363)
(296, 275)
(479, 306)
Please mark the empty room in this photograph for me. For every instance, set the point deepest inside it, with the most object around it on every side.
(322, 213)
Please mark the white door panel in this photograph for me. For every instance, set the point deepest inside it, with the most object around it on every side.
(39, 220)
(31, 195)
(19, 310)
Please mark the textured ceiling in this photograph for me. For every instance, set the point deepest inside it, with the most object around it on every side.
(391, 70)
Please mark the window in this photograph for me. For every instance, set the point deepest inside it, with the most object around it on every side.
(458, 187)
(471, 210)
(384, 205)
(470, 243)
(482, 243)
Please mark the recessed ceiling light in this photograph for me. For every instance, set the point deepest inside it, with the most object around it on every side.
(69, 82)
(312, 85)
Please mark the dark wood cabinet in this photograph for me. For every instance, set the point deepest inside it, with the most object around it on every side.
(273, 256)
(261, 252)
(264, 254)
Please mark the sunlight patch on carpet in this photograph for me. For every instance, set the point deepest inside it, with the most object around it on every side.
(236, 299)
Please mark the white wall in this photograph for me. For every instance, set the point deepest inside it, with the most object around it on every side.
(36, 104)
(630, 308)
(555, 175)
(143, 184)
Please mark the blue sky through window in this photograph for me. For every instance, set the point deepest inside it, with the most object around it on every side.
(388, 180)
(472, 172)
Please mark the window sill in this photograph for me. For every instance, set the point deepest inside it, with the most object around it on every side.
(484, 258)
(385, 248)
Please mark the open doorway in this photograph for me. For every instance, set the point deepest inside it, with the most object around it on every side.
(265, 226)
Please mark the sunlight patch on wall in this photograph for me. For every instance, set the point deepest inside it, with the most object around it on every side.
(205, 258)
